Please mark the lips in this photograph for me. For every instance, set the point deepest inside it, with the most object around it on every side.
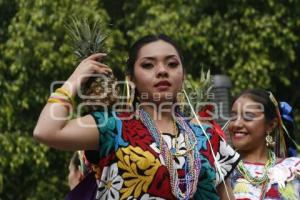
(239, 134)
(163, 84)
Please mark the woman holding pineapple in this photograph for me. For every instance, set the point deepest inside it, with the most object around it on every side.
(151, 152)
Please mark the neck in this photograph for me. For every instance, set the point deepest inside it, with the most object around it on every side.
(158, 113)
(257, 155)
(162, 118)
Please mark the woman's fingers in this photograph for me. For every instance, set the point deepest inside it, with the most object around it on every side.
(96, 57)
(100, 67)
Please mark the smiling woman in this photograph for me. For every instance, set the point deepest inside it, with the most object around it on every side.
(152, 152)
(256, 129)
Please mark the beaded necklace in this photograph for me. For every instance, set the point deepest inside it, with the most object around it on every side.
(174, 148)
(192, 156)
(263, 180)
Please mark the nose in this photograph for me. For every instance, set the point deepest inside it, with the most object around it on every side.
(162, 70)
(237, 122)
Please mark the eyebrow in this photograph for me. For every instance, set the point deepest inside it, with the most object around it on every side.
(154, 58)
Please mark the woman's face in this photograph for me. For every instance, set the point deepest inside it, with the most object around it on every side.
(74, 176)
(158, 72)
(248, 126)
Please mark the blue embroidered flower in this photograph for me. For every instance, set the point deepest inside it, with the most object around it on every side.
(107, 142)
(201, 138)
(119, 139)
(110, 128)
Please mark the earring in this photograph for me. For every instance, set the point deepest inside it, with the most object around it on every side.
(128, 93)
(269, 141)
(180, 100)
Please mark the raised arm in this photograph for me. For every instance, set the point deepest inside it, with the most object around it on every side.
(55, 130)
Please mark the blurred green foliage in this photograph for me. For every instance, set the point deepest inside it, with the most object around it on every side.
(256, 43)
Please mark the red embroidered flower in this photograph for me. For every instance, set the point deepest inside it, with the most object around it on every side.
(206, 114)
(107, 160)
(215, 143)
(136, 134)
(273, 193)
(160, 185)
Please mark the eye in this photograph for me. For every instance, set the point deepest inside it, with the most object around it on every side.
(233, 116)
(173, 64)
(147, 65)
(249, 116)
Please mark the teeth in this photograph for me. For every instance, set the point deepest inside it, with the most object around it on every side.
(239, 134)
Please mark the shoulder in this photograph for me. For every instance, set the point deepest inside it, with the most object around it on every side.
(289, 162)
(285, 170)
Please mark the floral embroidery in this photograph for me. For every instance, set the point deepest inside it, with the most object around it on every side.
(279, 175)
(133, 160)
(273, 193)
(119, 139)
(201, 137)
(283, 182)
(135, 133)
(241, 186)
(131, 166)
(106, 125)
(224, 159)
(110, 183)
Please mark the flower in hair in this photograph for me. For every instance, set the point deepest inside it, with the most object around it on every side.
(286, 110)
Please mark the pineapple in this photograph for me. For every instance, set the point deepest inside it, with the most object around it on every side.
(87, 39)
(197, 91)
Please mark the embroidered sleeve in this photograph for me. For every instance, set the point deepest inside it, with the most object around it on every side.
(108, 129)
(219, 153)
(285, 171)
(225, 162)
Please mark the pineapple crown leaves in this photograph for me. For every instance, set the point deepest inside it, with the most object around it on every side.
(199, 89)
(86, 37)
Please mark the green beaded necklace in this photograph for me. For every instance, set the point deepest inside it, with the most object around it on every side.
(257, 180)
(263, 180)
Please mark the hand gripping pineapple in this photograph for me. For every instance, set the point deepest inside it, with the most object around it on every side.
(97, 89)
(93, 90)
(89, 66)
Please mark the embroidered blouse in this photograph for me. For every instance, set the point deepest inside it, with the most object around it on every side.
(131, 166)
(283, 184)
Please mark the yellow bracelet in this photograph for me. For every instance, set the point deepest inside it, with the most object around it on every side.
(64, 92)
(67, 94)
(60, 95)
(52, 100)
(56, 100)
